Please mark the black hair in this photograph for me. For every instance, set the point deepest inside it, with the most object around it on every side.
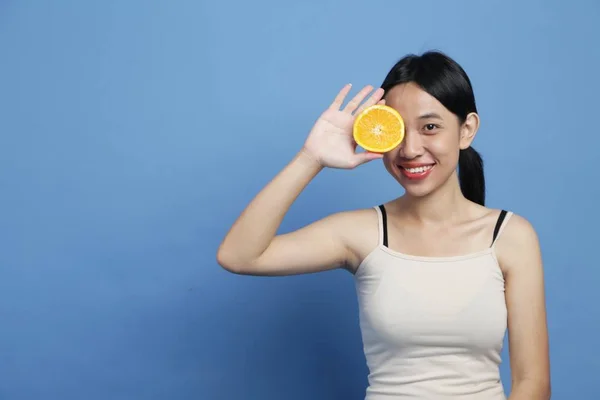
(446, 80)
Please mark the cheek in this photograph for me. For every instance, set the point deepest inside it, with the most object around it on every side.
(392, 155)
(444, 147)
(388, 159)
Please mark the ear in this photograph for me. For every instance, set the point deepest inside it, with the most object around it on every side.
(468, 130)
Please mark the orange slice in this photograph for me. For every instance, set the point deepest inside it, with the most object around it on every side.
(378, 128)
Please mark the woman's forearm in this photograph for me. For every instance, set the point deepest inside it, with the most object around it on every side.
(253, 231)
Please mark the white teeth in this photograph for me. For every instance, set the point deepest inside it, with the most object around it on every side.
(419, 170)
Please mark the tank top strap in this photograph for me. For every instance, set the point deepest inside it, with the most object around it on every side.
(382, 225)
(500, 225)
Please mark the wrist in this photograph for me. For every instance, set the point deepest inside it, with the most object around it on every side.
(307, 159)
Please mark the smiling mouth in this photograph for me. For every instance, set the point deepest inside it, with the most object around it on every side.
(419, 172)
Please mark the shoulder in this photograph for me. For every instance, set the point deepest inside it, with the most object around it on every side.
(519, 231)
(348, 219)
(518, 244)
(358, 230)
(352, 223)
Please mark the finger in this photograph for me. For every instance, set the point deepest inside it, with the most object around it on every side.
(353, 104)
(375, 98)
(341, 96)
(382, 102)
(365, 157)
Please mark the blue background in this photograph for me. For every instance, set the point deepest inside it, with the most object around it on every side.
(134, 132)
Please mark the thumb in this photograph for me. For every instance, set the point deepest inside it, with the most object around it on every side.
(366, 156)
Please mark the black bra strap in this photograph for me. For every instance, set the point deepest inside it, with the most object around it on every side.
(384, 227)
(498, 225)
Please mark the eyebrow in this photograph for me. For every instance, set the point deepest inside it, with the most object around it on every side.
(430, 115)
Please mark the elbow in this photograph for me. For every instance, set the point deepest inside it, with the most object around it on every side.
(544, 391)
(229, 263)
(547, 390)
(537, 388)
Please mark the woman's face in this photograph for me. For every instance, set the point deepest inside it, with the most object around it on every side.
(428, 155)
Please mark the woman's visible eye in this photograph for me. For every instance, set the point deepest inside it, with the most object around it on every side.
(430, 127)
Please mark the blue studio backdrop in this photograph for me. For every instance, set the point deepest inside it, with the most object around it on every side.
(133, 133)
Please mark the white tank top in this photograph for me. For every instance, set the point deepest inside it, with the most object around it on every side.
(432, 327)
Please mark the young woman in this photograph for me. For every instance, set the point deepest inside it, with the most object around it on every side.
(440, 277)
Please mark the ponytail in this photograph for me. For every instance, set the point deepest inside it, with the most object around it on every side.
(470, 175)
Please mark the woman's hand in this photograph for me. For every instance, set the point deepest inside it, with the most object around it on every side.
(330, 142)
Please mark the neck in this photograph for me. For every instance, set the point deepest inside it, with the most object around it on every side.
(444, 203)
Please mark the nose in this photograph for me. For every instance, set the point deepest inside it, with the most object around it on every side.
(412, 146)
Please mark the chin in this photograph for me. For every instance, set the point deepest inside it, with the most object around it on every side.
(418, 191)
